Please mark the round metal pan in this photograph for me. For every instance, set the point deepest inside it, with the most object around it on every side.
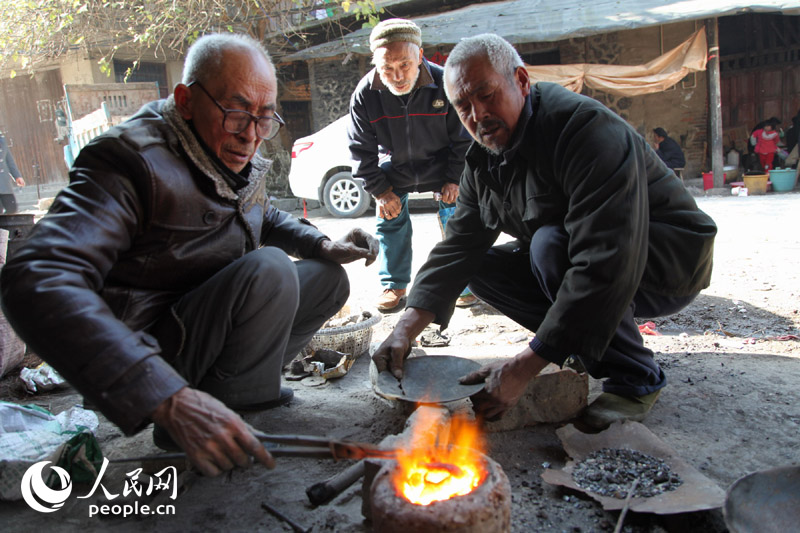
(429, 379)
(764, 502)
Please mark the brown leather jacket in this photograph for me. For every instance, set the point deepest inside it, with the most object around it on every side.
(146, 217)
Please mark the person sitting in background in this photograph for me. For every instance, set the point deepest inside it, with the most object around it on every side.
(668, 150)
(766, 143)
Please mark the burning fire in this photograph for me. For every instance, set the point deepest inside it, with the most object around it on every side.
(443, 459)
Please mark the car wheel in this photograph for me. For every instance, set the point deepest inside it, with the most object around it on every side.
(344, 197)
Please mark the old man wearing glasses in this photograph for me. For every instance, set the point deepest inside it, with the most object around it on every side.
(160, 282)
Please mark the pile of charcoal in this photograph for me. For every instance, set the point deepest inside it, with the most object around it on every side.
(612, 471)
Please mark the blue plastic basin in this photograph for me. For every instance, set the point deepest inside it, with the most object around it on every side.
(783, 179)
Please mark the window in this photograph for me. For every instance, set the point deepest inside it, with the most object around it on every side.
(156, 72)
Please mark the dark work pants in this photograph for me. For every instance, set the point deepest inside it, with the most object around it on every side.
(250, 319)
(523, 283)
(9, 202)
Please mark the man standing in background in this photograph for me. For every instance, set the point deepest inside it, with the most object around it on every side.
(400, 109)
(9, 176)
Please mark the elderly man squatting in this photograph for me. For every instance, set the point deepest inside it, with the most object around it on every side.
(604, 232)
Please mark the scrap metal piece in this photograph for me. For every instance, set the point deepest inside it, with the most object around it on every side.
(295, 525)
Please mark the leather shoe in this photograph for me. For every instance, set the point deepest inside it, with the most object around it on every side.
(285, 397)
(609, 408)
(162, 439)
(391, 299)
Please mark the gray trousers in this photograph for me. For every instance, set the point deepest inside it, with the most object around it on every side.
(245, 323)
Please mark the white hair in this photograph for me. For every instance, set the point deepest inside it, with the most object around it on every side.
(502, 56)
(204, 58)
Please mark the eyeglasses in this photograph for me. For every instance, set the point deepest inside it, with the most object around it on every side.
(238, 120)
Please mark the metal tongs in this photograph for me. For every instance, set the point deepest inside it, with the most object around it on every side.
(294, 446)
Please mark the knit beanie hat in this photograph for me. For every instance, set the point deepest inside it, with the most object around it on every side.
(392, 30)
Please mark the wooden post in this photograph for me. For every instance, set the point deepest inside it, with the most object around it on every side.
(714, 103)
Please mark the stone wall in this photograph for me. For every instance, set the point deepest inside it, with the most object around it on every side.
(681, 110)
(332, 83)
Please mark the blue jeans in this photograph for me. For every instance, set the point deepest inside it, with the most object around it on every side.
(522, 283)
(394, 237)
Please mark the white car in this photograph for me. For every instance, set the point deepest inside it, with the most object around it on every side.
(322, 170)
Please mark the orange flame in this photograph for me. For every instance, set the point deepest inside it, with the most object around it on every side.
(443, 459)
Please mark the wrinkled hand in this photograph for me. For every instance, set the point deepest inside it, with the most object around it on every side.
(389, 205)
(505, 383)
(214, 438)
(449, 193)
(357, 244)
(392, 353)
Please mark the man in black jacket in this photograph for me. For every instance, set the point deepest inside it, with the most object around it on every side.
(604, 232)
(668, 150)
(404, 137)
(9, 177)
(160, 285)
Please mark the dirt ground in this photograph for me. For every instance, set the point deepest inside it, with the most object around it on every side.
(731, 406)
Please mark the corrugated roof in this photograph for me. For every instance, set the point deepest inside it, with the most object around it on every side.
(523, 21)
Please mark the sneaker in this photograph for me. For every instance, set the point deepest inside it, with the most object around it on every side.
(391, 299)
(609, 408)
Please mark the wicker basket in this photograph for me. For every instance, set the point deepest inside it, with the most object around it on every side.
(351, 339)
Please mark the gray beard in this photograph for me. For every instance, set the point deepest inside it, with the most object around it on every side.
(395, 91)
(493, 151)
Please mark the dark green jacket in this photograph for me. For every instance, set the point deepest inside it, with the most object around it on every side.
(630, 220)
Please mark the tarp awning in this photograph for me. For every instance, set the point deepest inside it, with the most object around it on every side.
(655, 76)
(529, 21)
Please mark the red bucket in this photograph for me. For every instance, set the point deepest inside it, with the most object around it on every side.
(708, 180)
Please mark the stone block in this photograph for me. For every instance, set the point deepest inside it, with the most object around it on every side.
(555, 395)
